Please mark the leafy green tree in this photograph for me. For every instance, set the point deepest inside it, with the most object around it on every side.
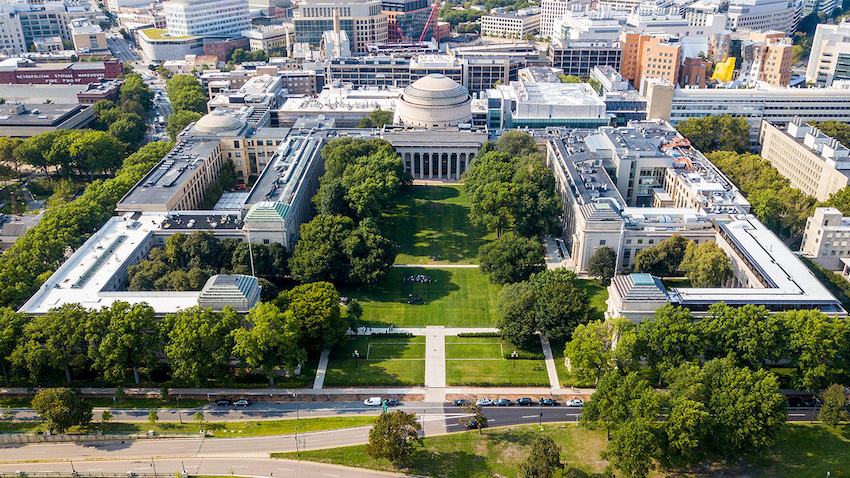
(135, 89)
(834, 407)
(669, 339)
(7, 152)
(199, 342)
(832, 128)
(11, 330)
(394, 436)
(370, 255)
(664, 258)
(543, 460)
(517, 320)
(318, 254)
(34, 151)
(633, 449)
(511, 258)
(189, 100)
(817, 344)
(751, 336)
(717, 133)
(491, 206)
(316, 308)
(477, 418)
(130, 128)
(61, 409)
(198, 417)
(55, 340)
(538, 209)
(127, 339)
(561, 303)
(603, 264)
(517, 143)
(178, 121)
(376, 119)
(589, 351)
(569, 79)
(270, 340)
(706, 265)
(153, 417)
(106, 416)
(619, 399)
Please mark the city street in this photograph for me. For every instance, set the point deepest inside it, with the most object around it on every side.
(121, 49)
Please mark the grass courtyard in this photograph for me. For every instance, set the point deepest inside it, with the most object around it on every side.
(474, 361)
(455, 297)
(384, 361)
(432, 222)
(801, 451)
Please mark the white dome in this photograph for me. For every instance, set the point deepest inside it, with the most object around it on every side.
(435, 101)
(218, 122)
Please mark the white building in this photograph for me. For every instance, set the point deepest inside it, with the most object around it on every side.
(550, 10)
(589, 25)
(362, 20)
(87, 38)
(517, 24)
(11, 35)
(830, 56)
(205, 18)
(761, 15)
(826, 239)
(115, 6)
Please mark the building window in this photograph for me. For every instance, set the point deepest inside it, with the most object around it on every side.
(603, 242)
(265, 241)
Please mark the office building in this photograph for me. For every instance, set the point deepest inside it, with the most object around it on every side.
(578, 58)
(826, 7)
(88, 38)
(222, 47)
(25, 71)
(775, 105)
(345, 105)
(48, 44)
(761, 15)
(520, 24)
(11, 32)
(826, 239)
(523, 104)
(590, 25)
(271, 38)
(207, 18)
(406, 19)
(18, 120)
(116, 6)
(551, 10)
(659, 58)
(830, 56)
(158, 45)
(768, 60)
(363, 21)
(622, 101)
(813, 162)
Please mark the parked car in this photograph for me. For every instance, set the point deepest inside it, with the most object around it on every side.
(242, 402)
(223, 403)
(372, 402)
(503, 402)
(576, 402)
(461, 402)
(392, 402)
(484, 402)
(549, 402)
(524, 401)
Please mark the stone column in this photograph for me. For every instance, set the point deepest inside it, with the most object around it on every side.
(430, 164)
(457, 166)
(421, 166)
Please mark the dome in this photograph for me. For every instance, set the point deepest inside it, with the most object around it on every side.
(435, 89)
(435, 101)
(218, 122)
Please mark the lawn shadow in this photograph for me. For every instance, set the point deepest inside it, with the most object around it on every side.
(396, 289)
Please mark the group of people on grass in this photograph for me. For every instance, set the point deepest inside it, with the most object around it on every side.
(423, 279)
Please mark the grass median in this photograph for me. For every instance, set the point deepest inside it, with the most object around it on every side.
(218, 429)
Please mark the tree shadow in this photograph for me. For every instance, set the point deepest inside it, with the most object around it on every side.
(455, 464)
(398, 290)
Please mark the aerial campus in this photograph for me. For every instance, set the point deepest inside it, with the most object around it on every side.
(420, 238)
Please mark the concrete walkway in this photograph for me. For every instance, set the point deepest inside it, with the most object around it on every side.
(319, 381)
(446, 331)
(553, 255)
(435, 364)
(550, 364)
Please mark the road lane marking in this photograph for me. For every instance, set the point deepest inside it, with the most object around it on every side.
(286, 469)
(796, 414)
(328, 474)
(528, 416)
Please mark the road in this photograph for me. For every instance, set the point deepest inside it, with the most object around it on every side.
(121, 49)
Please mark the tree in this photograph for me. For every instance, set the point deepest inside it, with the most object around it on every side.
(751, 336)
(603, 264)
(664, 258)
(153, 417)
(128, 340)
(178, 121)
(316, 308)
(106, 416)
(516, 143)
(619, 399)
(130, 128)
(55, 340)
(7, 150)
(569, 79)
(394, 436)
(543, 460)
(717, 133)
(833, 410)
(135, 89)
(270, 340)
(198, 417)
(634, 448)
(706, 265)
(370, 255)
(198, 342)
(318, 254)
(62, 409)
(376, 119)
(538, 209)
(589, 351)
(669, 339)
(832, 128)
(817, 344)
(11, 329)
(511, 258)
(477, 420)
(517, 320)
(189, 100)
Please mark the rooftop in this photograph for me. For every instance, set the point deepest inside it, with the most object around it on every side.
(280, 179)
(160, 34)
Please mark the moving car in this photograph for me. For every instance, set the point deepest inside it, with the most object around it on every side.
(461, 402)
(484, 402)
(392, 402)
(503, 402)
(549, 402)
(223, 403)
(576, 402)
(372, 402)
(470, 423)
(242, 402)
(524, 401)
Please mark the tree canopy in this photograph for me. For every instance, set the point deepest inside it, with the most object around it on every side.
(706, 265)
(717, 133)
(511, 258)
(602, 264)
(394, 436)
(664, 258)
(61, 409)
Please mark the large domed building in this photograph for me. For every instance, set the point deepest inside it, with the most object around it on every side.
(435, 101)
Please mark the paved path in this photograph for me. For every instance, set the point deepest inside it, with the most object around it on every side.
(440, 266)
(435, 364)
(446, 331)
(551, 370)
(553, 256)
(319, 381)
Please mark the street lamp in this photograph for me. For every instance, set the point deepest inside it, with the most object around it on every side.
(179, 415)
(355, 356)
(295, 396)
(514, 357)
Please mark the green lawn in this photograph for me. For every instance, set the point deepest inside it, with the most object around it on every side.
(432, 221)
(108, 403)
(597, 294)
(459, 297)
(391, 361)
(475, 361)
(676, 282)
(801, 451)
(253, 428)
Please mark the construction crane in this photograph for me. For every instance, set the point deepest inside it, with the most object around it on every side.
(431, 18)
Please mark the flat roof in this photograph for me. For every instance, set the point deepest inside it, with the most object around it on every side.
(38, 94)
(281, 177)
(41, 115)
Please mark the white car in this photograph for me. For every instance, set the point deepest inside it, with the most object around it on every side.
(576, 402)
(373, 402)
(484, 402)
(242, 402)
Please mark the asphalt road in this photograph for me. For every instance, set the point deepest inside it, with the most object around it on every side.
(121, 49)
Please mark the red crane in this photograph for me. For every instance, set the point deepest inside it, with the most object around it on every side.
(431, 18)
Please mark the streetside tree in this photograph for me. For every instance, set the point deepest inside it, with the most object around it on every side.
(271, 339)
(394, 436)
(61, 409)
